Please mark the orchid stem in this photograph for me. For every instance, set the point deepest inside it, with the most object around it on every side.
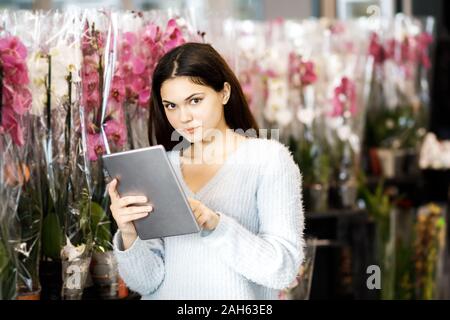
(69, 116)
(49, 86)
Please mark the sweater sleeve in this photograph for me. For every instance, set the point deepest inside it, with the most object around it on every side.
(273, 256)
(141, 266)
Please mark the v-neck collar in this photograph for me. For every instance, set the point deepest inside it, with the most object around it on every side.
(216, 177)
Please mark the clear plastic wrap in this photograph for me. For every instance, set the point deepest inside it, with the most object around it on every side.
(347, 69)
(144, 37)
(9, 230)
(57, 197)
(103, 118)
(399, 92)
(15, 103)
(307, 140)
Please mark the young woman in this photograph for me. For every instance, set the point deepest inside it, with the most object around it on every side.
(244, 191)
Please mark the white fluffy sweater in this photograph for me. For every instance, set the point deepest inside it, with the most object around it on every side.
(255, 250)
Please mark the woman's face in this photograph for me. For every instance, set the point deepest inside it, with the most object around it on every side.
(195, 111)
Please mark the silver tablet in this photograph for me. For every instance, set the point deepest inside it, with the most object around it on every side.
(148, 172)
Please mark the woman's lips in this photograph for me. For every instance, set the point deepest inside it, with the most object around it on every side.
(190, 130)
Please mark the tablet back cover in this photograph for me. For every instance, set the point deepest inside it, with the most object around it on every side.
(148, 172)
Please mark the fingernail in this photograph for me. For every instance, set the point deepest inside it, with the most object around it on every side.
(150, 208)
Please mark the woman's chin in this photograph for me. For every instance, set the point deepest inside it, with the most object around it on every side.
(193, 138)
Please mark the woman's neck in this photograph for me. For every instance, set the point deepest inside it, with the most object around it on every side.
(215, 149)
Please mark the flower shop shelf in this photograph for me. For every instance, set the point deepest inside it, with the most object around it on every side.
(423, 187)
(345, 249)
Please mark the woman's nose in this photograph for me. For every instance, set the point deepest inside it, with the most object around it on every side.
(185, 114)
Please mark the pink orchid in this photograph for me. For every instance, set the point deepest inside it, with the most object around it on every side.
(11, 126)
(126, 50)
(344, 98)
(95, 146)
(173, 37)
(144, 97)
(137, 84)
(118, 89)
(138, 65)
(377, 50)
(14, 47)
(301, 71)
(308, 75)
(424, 40)
(91, 63)
(15, 70)
(270, 73)
(116, 131)
(92, 41)
(152, 33)
(91, 101)
(18, 99)
(13, 57)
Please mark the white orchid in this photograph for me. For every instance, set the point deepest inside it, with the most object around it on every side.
(71, 252)
(65, 60)
(277, 107)
(38, 69)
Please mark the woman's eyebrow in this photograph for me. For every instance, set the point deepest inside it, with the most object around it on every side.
(194, 94)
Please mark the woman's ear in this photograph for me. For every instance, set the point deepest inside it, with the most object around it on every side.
(226, 93)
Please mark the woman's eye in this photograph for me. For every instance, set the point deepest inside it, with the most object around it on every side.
(196, 100)
(170, 106)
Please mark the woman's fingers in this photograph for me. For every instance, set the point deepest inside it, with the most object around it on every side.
(201, 220)
(112, 190)
(193, 203)
(132, 217)
(134, 210)
(126, 201)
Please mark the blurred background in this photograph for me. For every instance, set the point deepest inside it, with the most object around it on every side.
(358, 89)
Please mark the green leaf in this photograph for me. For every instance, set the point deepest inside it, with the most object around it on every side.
(7, 274)
(100, 225)
(52, 237)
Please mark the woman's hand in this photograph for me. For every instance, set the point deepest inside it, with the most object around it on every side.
(206, 218)
(124, 214)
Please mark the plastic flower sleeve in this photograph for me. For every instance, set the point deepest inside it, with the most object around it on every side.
(103, 120)
(15, 103)
(30, 211)
(399, 99)
(9, 230)
(348, 71)
(137, 55)
(69, 165)
(143, 39)
(307, 141)
(246, 38)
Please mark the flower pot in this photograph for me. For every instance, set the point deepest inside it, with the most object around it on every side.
(397, 163)
(316, 197)
(344, 195)
(29, 295)
(104, 274)
(74, 278)
(50, 277)
(123, 291)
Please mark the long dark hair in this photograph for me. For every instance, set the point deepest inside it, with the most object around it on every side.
(204, 65)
